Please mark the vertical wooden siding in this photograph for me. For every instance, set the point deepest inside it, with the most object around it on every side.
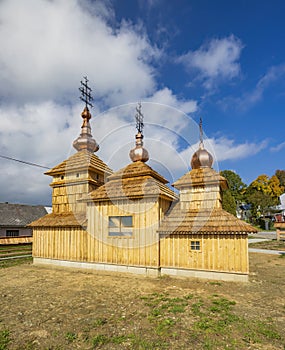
(94, 244)
(139, 250)
(227, 253)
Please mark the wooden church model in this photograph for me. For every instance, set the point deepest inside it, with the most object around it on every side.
(131, 221)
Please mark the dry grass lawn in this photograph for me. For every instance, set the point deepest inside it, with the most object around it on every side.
(45, 308)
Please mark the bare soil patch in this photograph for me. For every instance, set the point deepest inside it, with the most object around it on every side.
(45, 308)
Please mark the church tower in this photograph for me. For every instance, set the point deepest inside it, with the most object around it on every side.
(81, 173)
(201, 187)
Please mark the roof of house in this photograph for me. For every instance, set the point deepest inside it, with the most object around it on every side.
(136, 180)
(19, 215)
(63, 219)
(198, 221)
(79, 161)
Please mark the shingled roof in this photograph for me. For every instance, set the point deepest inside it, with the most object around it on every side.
(201, 221)
(19, 215)
(62, 219)
(200, 177)
(136, 180)
(79, 161)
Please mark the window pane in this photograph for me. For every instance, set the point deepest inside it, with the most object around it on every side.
(114, 221)
(115, 233)
(127, 221)
(195, 245)
(120, 226)
(12, 233)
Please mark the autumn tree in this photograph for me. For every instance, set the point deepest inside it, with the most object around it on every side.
(264, 193)
(281, 177)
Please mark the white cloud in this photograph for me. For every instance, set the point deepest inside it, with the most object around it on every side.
(227, 149)
(278, 147)
(251, 98)
(43, 133)
(46, 47)
(215, 60)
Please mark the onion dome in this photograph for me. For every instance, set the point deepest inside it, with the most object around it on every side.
(139, 153)
(201, 158)
(85, 141)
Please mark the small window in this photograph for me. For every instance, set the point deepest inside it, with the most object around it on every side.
(120, 226)
(12, 233)
(77, 175)
(195, 245)
(62, 177)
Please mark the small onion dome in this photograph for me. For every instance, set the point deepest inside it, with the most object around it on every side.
(139, 153)
(201, 158)
(85, 140)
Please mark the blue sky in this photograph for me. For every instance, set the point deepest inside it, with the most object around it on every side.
(223, 61)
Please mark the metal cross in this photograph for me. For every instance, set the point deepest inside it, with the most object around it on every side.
(139, 118)
(201, 130)
(86, 93)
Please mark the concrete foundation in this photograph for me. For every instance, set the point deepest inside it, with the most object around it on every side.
(211, 275)
(147, 271)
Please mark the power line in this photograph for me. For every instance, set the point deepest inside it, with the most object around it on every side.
(24, 162)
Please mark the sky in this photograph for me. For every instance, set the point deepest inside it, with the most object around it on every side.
(222, 61)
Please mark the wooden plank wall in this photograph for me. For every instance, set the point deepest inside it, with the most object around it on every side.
(94, 245)
(228, 252)
(139, 250)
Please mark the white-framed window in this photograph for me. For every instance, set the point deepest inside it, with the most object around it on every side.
(195, 245)
(120, 226)
(12, 233)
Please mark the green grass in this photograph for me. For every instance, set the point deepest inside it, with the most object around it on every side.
(4, 339)
(70, 336)
(168, 322)
(100, 339)
(15, 247)
(15, 262)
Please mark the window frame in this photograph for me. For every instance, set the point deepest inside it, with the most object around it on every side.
(195, 245)
(12, 233)
(122, 230)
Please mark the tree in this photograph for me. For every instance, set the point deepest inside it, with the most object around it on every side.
(275, 189)
(281, 177)
(263, 193)
(228, 202)
(236, 185)
(234, 195)
(260, 203)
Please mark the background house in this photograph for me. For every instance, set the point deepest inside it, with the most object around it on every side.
(14, 219)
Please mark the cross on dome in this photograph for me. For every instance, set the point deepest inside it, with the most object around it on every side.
(85, 140)
(139, 153)
(86, 93)
(139, 118)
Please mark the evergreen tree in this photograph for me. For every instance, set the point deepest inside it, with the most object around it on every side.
(228, 202)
